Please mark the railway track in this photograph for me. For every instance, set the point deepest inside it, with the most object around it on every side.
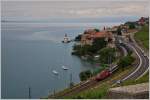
(77, 89)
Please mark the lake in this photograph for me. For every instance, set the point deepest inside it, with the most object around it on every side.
(30, 51)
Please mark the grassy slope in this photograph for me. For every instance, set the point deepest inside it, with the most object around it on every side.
(143, 79)
(99, 92)
(143, 36)
(102, 89)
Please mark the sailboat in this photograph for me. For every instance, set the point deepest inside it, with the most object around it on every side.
(55, 72)
(64, 67)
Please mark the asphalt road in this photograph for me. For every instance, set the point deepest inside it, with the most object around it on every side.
(143, 64)
(141, 67)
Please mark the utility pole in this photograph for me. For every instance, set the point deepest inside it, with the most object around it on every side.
(70, 78)
(71, 83)
(108, 60)
(110, 63)
(29, 93)
(54, 92)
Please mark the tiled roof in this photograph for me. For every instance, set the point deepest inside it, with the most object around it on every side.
(99, 34)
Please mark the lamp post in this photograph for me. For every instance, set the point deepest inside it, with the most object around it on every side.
(71, 83)
(29, 93)
(109, 62)
(54, 92)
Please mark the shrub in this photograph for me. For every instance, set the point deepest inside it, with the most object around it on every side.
(119, 31)
(85, 75)
(98, 44)
(107, 55)
(78, 38)
(97, 93)
(97, 30)
(126, 61)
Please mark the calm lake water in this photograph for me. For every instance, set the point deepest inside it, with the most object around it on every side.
(30, 51)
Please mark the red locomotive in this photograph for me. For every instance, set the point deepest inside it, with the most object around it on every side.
(104, 74)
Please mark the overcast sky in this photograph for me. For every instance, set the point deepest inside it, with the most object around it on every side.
(47, 9)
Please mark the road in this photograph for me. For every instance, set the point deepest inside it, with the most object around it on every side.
(143, 65)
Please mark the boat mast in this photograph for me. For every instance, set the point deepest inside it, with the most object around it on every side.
(29, 93)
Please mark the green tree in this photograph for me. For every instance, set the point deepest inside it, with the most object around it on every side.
(107, 55)
(76, 47)
(98, 43)
(119, 31)
(97, 30)
(126, 61)
(85, 75)
(131, 25)
(78, 38)
(86, 50)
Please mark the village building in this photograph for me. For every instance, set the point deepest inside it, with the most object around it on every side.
(90, 34)
(113, 29)
(143, 20)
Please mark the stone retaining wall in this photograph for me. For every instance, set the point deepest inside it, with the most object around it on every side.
(139, 91)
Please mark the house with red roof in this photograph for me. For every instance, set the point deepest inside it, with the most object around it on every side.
(89, 35)
(143, 20)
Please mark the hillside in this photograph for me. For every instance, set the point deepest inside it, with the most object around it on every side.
(143, 36)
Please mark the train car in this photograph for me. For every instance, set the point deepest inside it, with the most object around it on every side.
(104, 74)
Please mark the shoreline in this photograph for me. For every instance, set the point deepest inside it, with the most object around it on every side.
(76, 84)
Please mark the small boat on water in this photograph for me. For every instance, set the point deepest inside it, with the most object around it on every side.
(64, 67)
(55, 72)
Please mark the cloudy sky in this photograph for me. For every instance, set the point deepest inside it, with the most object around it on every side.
(49, 9)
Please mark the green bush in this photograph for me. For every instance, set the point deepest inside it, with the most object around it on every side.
(131, 24)
(97, 30)
(107, 55)
(126, 61)
(97, 93)
(143, 79)
(143, 36)
(98, 44)
(81, 50)
(119, 31)
(78, 38)
(85, 75)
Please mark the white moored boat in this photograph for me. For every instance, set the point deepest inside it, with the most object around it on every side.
(55, 72)
(64, 67)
